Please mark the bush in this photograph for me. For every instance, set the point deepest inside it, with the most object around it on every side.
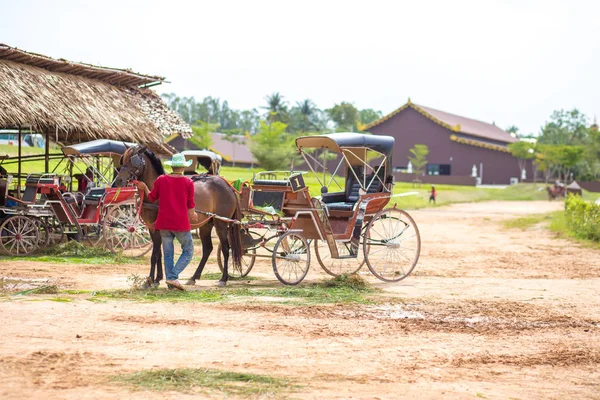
(583, 218)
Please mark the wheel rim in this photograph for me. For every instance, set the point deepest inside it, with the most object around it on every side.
(334, 266)
(392, 245)
(19, 236)
(291, 258)
(125, 232)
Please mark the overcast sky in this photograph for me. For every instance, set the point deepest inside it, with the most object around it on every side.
(511, 62)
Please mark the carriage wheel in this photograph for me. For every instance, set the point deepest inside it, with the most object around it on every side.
(338, 266)
(125, 232)
(55, 230)
(291, 258)
(19, 235)
(93, 234)
(44, 233)
(392, 245)
(248, 260)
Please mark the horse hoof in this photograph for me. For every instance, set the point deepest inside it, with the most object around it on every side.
(222, 284)
(190, 282)
(147, 284)
(155, 284)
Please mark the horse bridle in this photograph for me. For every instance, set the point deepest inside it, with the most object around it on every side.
(136, 165)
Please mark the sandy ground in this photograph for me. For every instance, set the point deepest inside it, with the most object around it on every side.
(488, 313)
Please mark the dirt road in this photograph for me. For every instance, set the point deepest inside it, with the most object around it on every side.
(488, 313)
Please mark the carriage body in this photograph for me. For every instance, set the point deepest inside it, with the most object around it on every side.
(341, 225)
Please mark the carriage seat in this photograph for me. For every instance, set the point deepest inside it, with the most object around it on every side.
(94, 195)
(269, 182)
(347, 200)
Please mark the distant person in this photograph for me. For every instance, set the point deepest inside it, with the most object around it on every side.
(433, 195)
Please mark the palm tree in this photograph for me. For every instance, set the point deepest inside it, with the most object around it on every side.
(277, 109)
(307, 110)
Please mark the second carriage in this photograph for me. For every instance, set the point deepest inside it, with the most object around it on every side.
(346, 228)
(52, 207)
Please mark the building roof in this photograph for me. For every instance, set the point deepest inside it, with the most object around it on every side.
(455, 123)
(113, 76)
(81, 102)
(238, 152)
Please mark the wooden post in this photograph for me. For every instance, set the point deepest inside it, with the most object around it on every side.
(47, 145)
(19, 166)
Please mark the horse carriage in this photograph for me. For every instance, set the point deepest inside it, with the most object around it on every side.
(49, 209)
(277, 213)
(346, 228)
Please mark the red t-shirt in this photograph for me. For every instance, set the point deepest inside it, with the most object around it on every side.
(176, 197)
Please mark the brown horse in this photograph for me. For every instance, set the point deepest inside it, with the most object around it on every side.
(211, 195)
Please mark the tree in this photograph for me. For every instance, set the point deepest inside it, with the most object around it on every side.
(560, 159)
(303, 115)
(369, 115)
(272, 146)
(418, 159)
(201, 134)
(522, 151)
(565, 128)
(512, 129)
(345, 116)
(277, 108)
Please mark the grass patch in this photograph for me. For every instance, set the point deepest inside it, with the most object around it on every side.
(524, 223)
(46, 289)
(558, 225)
(344, 289)
(202, 380)
(73, 252)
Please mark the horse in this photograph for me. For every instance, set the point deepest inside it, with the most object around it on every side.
(212, 195)
(556, 192)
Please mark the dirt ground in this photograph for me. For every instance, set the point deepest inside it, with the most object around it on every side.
(487, 313)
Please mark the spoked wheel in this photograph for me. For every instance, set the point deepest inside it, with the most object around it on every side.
(248, 260)
(125, 232)
(338, 266)
(44, 233)
(391, 245)
(56, 232)
(93, 235)
(291, 258)
(19, 235)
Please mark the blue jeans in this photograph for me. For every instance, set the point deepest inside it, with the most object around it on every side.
(187, 246)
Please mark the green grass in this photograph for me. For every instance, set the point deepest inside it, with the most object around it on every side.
(555, 222)
(192, 380)
(524, 223)
(72, 252)
(334, 291)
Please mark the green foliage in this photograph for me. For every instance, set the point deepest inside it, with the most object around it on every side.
(522, 151)
(369, 115)
(560, 159)
(276, 109)
(582, 218)
(272, 146)
(202, 134)
(345, 117)
(419, 158)
(565, 128)
(227, 383)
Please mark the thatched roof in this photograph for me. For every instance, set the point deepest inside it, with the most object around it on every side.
(82, 102)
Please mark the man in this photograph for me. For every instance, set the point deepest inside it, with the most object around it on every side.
(175, 193)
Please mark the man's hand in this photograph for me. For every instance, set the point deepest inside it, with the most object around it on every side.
(142, 187)
(193, 217)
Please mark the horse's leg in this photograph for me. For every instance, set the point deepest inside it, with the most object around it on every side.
(157, 252)
(207, 247)
(223, 234)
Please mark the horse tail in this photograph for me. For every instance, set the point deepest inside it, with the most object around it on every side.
(237, 250)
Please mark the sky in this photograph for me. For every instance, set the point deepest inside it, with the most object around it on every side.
(508, 62)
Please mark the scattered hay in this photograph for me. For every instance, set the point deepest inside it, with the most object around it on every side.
(354, 282)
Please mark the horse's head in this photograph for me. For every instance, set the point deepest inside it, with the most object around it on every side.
(133, 164)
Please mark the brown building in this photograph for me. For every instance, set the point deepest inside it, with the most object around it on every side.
(234, 153)
(458, 146)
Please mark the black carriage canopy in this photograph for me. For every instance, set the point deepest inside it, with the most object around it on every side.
(208, 159)
(354, 146)
(97, 147)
